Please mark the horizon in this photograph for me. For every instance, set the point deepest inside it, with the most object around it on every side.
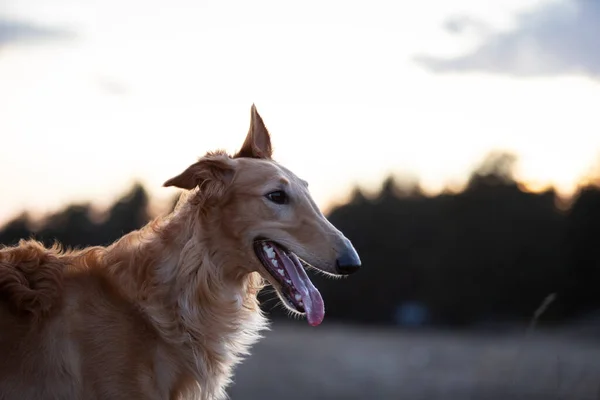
(350, 94)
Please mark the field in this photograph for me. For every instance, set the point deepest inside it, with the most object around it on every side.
(295, 361)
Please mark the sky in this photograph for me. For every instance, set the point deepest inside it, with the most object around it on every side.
(97, 94)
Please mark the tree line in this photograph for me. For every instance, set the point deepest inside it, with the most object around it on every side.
(491, 252)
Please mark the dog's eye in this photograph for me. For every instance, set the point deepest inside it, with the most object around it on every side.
(278, 196)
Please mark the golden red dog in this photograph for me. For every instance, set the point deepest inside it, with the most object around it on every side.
(167, 311)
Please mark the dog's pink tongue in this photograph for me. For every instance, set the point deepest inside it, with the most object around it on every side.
(311, 298)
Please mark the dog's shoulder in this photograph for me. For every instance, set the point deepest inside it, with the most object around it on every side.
(31, 278)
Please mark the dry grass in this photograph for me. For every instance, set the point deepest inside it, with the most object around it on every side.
(295, 361)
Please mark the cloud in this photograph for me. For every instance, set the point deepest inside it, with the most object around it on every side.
(556, 38)
(13, 31)
(112, 86)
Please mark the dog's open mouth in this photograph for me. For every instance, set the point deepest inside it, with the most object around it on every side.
(295, 287)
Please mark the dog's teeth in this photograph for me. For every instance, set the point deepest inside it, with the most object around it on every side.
(275, 262)
(269, 252)
(288, 281)
(298, 297)
(281, 272)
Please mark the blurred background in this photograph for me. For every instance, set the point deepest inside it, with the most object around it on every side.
(456, 143)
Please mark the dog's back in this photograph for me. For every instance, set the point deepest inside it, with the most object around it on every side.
(31, 279)
(31, 290)
(53, 312)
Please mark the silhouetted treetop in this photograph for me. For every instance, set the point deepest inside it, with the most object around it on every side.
(498, 168)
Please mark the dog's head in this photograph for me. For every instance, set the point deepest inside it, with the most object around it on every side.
(266, 217)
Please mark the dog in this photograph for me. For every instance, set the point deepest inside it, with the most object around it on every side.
(167, 312)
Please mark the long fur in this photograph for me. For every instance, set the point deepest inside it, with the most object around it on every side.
(161, 290)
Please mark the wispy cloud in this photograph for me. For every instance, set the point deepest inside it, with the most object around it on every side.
(112, 86)
(559, 37)
(15, 31)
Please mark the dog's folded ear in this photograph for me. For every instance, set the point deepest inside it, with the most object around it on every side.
(211, 174)
(258, 141)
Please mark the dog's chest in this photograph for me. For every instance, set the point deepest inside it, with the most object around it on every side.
(218, 347)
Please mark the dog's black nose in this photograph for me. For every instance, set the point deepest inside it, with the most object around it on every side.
(349, 261)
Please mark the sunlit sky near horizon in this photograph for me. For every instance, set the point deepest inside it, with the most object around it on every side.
(96, 94)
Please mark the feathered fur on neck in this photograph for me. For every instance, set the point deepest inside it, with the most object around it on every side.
(201, 306)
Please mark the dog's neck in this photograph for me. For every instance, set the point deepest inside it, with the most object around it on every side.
(198, 304)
